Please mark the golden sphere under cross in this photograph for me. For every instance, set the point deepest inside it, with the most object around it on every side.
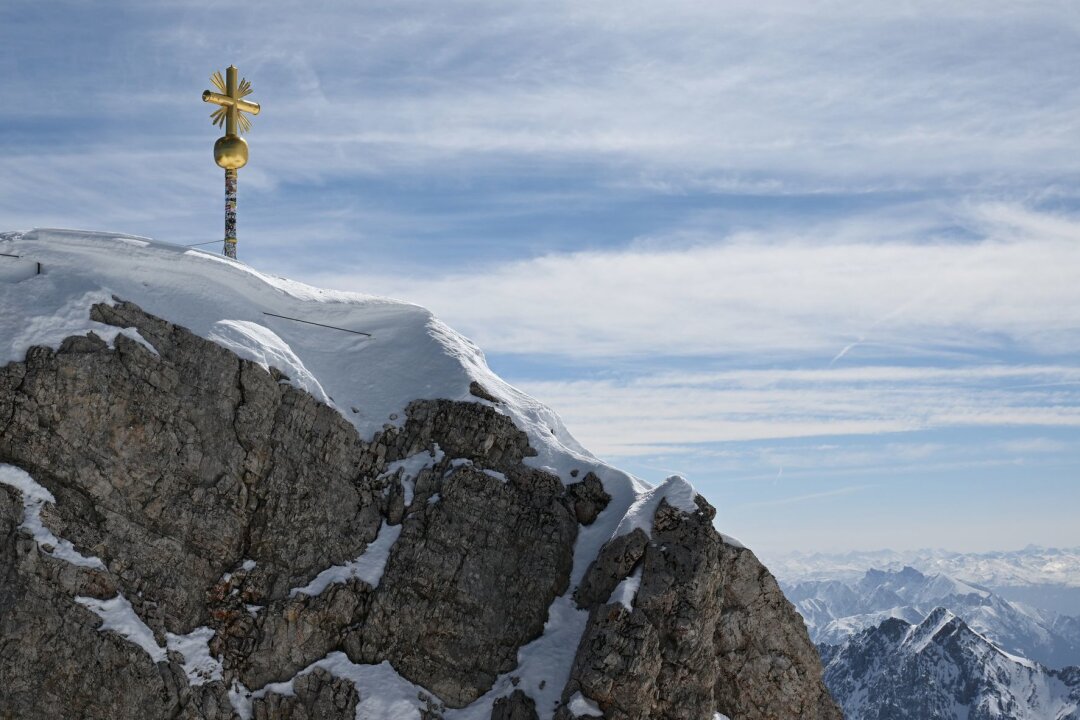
(231, 152)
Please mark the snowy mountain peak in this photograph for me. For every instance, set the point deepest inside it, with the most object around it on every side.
(939, 624)
(943, 669)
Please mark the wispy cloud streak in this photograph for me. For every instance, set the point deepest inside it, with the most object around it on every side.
(781, 293)
(626, 418)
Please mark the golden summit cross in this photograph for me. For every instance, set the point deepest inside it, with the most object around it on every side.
(231, 151)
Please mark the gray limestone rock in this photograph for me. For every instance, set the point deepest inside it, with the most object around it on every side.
(173, 468)
(318, 695)
(679, 652)
(615, 561)
(589, 498)
(478, 390)
(211, 488)
(53, 660)
(465, 430)
(515, 706)
(455, 615)
(275, 642)
(768, 667)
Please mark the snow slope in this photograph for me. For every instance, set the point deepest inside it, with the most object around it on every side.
(46, 293)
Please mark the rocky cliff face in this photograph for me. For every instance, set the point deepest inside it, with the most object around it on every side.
(184, 534)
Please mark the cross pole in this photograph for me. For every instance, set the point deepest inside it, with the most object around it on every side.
(231, 150)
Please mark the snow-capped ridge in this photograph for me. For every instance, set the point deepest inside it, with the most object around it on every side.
(675, 491)
(939, 620)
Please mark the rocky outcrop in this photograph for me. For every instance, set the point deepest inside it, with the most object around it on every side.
(486, 598)
(217, 495)
(316, 696)
(706, 627)
(515, 706)
(766, 666)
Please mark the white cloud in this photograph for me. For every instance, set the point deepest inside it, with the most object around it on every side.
(783, 95)
(1034, 446)
(786, 293)
(803, 93)
(632, 418)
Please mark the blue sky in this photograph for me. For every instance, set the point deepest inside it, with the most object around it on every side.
(822, 258)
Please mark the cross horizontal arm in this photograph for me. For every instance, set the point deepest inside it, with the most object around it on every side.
(226, 101)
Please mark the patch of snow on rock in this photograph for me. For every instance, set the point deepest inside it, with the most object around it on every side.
(199, 665)
(734, 542)
(384, 694)
(368, 566)
(260, 344)
(625, 592)
(543, 665)
(34, 498)
(131, 333)
(583, 706)
(118, 616)
(410, 467)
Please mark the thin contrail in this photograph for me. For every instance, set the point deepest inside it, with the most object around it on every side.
(844, 352)
(904, 306)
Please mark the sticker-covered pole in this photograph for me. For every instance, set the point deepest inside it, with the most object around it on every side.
(230, 213)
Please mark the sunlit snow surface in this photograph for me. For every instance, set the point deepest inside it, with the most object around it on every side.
(410, 355)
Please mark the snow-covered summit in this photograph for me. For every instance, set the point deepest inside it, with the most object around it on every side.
(57, 274)
(462, 558)
(405, 354)
(366, 356)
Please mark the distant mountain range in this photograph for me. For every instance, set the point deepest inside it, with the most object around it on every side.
(1034, 565)
(939, 635)
(834, 610)
(941, 669)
